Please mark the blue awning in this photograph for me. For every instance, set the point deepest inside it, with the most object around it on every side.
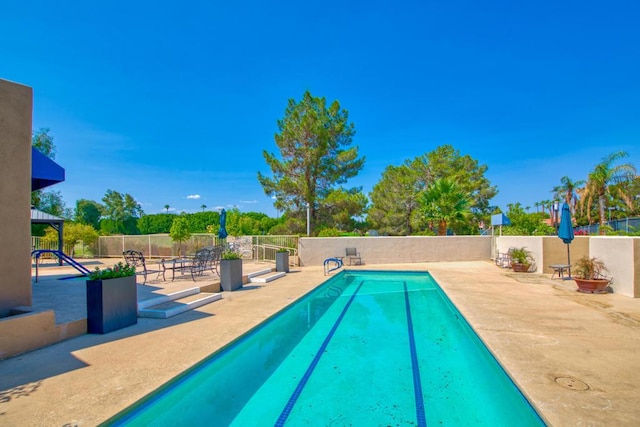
(44, 171)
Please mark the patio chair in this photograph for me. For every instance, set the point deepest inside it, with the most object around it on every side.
(504, 259)
(353, 255)
(202, 261)
(216, 255)
(136, 258)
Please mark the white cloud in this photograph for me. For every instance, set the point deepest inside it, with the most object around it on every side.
(193, 196)
(249, 202)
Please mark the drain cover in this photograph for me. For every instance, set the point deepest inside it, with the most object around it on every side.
(572, 383)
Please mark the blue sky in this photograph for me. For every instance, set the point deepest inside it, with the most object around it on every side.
(174, 102)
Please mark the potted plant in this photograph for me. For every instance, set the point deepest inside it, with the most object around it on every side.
(521, 259)
(589, 275)
(282, 260)
(112, 299)
(230, 271)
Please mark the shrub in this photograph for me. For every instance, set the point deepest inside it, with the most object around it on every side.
(118, 270)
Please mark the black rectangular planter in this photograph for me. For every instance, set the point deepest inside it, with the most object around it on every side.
(230, 274)
(112, 304)
(282, 261)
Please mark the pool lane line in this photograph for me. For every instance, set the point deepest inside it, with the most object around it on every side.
(303, 381)
(417, 383)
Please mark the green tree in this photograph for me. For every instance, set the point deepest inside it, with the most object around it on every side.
(122, 212)
(567, 191)
(444, 203)
(314, 140)
(72, 234)
(46, 201)
(447, 162)
(396, 215)
(180, 231)
(525, 224)
(605, 175)
(88, 212)
(43, 142)
(154, 224)
(401, 214)
(199, 221)
(342, 207)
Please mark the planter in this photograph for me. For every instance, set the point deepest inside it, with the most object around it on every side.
(282, 261)
(112, 304)
(230, 274)
(598, 286)
(520, 268)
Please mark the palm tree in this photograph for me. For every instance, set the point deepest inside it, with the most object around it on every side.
(604, 175)
(567, 191)
(167, 208)
(444, 202)
(203, 207)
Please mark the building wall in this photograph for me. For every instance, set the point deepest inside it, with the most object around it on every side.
(380, 250)
(16, 102)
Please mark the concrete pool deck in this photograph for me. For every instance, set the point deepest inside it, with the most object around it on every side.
(575, 356)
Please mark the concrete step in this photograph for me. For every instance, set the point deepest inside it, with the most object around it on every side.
(160, 299)
(266, 277)
(259, 272)
(165, 306)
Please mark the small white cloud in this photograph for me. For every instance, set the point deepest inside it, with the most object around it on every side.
(193, 196)
(249, 202)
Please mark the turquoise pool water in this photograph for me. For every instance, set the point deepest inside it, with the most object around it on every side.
(364, 348)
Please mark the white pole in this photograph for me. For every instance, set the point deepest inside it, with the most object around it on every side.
(308, 222)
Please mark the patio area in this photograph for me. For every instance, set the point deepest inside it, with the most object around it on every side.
(573, 355)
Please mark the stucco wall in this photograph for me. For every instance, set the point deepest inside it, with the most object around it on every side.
(16, 103)
(620, 256)
(532, 243)
(380, 250)
(555, 251)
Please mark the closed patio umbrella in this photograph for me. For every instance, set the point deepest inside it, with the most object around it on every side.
(222, 231)
(565, 231)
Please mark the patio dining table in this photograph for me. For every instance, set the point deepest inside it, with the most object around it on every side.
(174, 264)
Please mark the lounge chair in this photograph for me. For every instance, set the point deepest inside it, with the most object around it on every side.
(136, 258)
(353, 255)
(504, 259)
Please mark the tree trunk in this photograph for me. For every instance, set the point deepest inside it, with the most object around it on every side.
(442, 228)
(601, 211)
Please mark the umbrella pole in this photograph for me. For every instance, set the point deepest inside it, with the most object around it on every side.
(569, 261)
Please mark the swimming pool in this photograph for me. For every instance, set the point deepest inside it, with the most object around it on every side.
(364, 348)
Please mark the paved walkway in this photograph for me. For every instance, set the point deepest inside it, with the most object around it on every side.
(574, 355)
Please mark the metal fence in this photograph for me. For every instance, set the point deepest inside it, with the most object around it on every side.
(39, 243)
(628, 225)
(162, 246)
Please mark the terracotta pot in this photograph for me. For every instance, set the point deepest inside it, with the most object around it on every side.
(520, 268)
(592, 286)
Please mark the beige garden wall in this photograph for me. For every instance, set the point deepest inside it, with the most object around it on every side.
(621, 255)
(380, 250)
(16, 103)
